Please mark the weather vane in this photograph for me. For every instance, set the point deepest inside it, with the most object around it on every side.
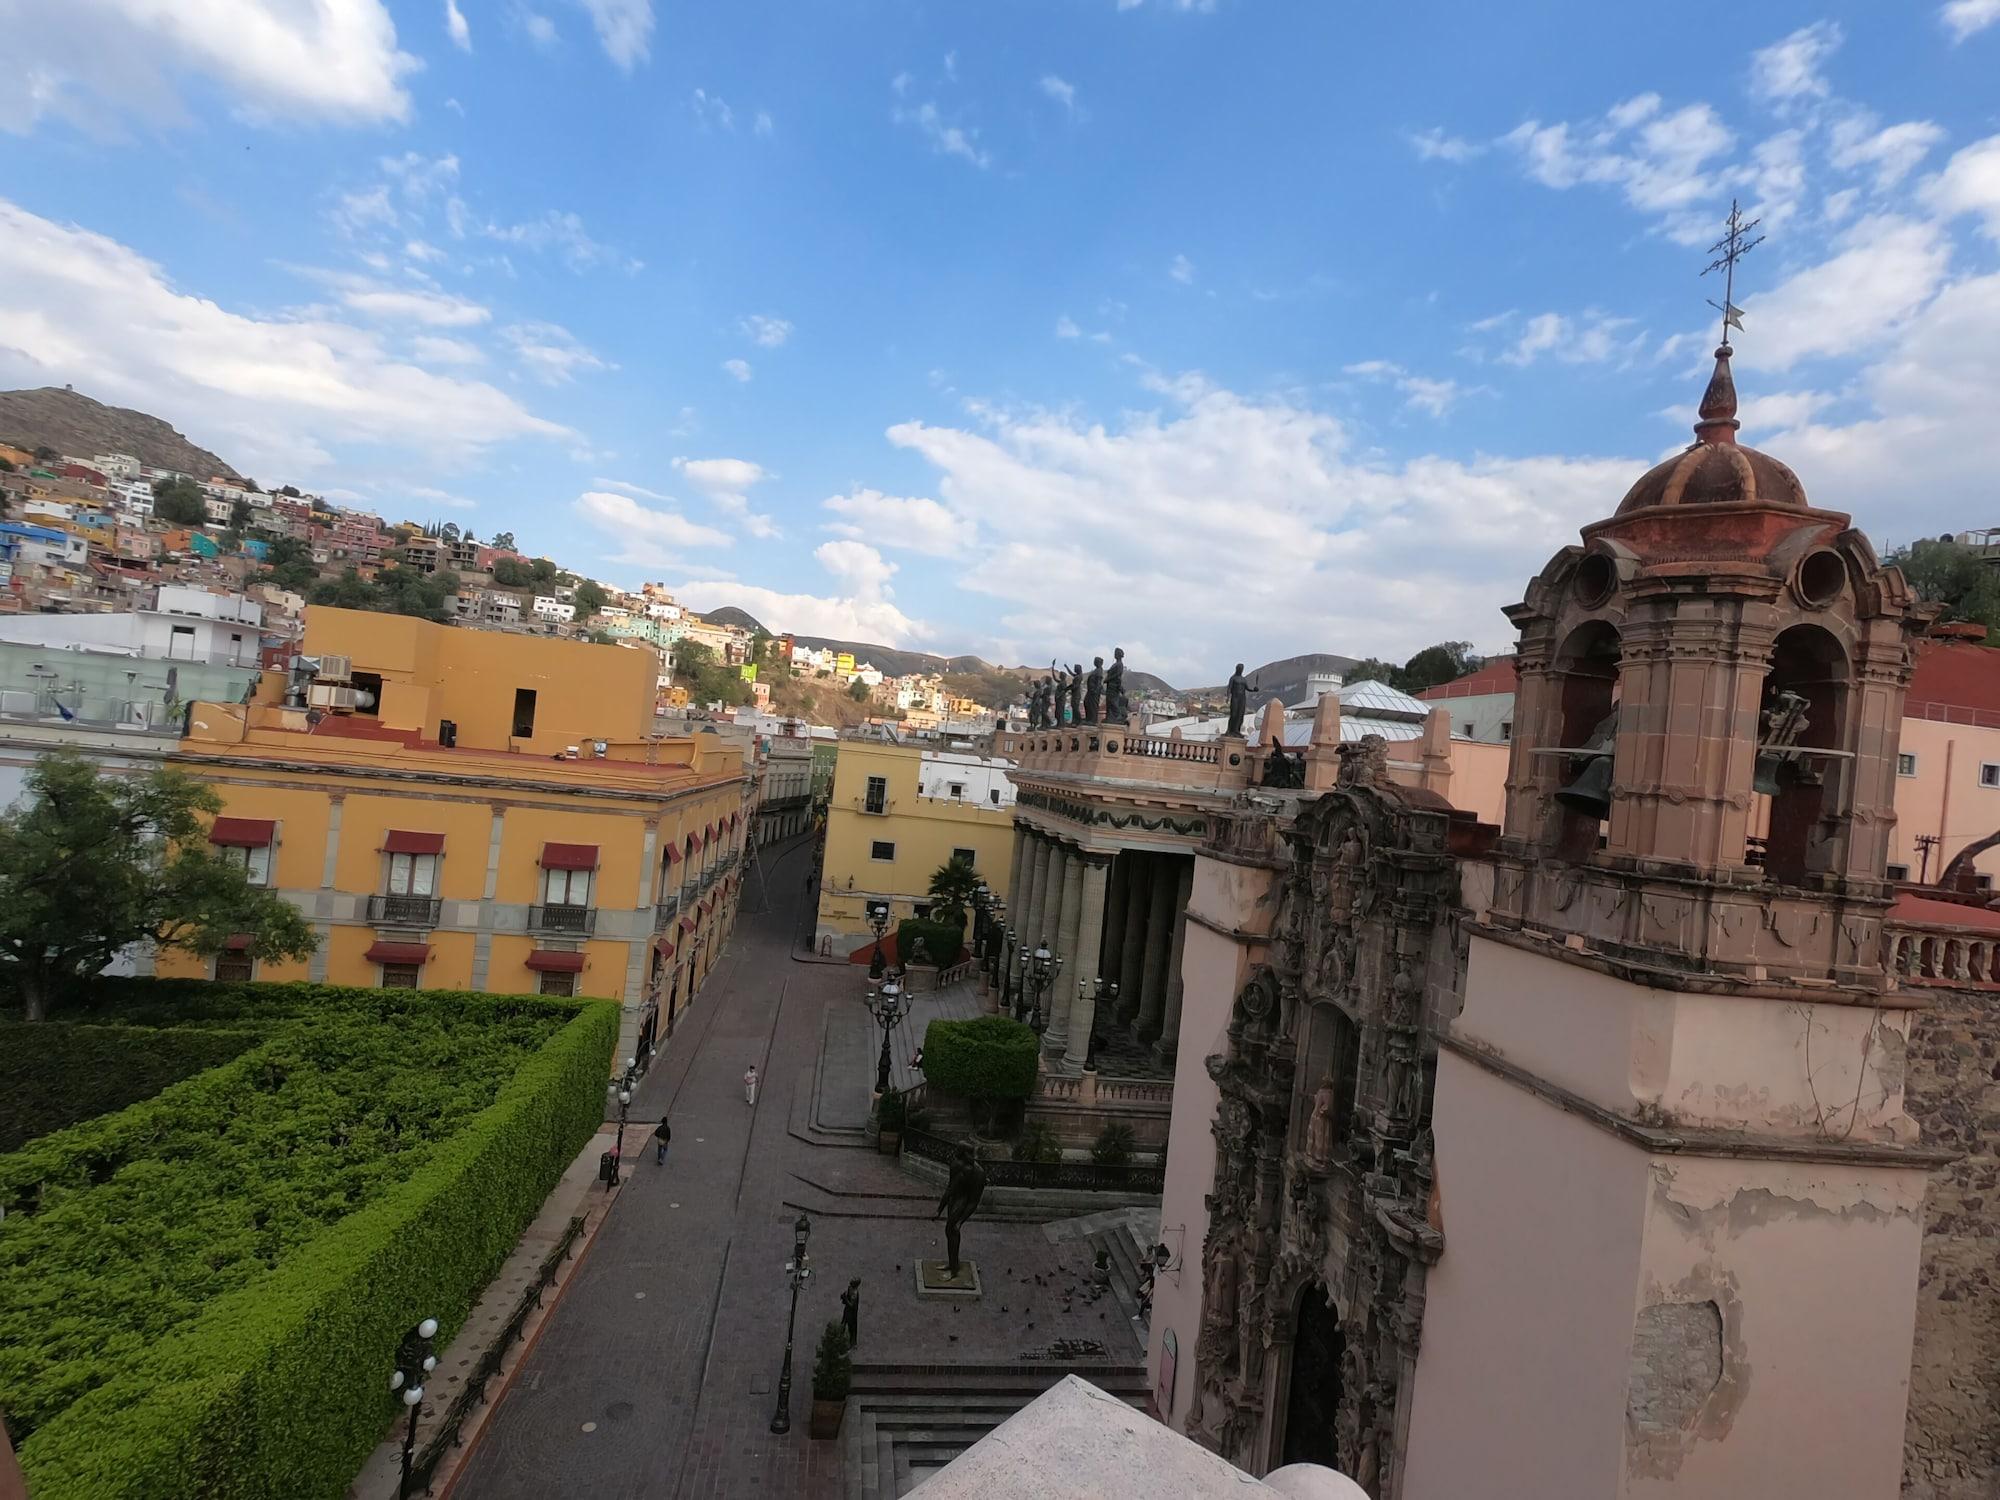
(1732, 247)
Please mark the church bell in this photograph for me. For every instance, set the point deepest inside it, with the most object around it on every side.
(1764, 778)
(1590, 793)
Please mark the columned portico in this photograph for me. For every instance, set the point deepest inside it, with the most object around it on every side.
(1061, 993)
(1132, 936)
(1083, 1012)
(1170, 1028)
(1164, 883)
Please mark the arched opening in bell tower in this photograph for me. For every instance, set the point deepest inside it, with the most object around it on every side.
(1804, 709)
(1587, 668)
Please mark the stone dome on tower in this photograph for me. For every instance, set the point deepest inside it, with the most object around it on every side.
(1715, 469)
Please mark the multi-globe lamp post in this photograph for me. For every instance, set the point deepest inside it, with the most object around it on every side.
(415, 1359)
(888, 1005)
(878, 923)
(627, 1083)
(1039, 970)
(798, 1269)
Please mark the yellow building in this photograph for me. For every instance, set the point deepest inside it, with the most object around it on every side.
(898, 812)
(457, 809)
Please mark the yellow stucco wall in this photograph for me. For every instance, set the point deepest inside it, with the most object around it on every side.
(925, 831)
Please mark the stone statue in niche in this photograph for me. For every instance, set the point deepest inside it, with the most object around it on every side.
(1319, 1129)
(1219, 1302)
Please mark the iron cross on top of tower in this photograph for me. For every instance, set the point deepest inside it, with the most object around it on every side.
(1728, 250)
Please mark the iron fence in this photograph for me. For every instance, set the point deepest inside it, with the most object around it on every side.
(1074, 1176)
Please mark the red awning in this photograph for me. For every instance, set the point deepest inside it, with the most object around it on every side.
(664, 947)
(696, 841)
(398, 953)
(552, 961)
(243, 833)
(238, 941)
(673, 853)
(569, 856)
(687, 924)
(403, 841)
(707, 906)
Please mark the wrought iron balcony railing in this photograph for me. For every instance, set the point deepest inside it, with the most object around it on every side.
(568, 920)
(405, 911)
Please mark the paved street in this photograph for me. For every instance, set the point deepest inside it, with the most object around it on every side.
(656, 1376)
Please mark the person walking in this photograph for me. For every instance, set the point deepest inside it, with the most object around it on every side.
(850, 1311)
(663, 1135)
(750, 1084)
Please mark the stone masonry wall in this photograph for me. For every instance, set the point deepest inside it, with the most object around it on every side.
(1952, 1442)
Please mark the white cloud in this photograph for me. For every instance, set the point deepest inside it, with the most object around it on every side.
(739, 369)
(766, 330)
(89, 61)
(624, 29)
(422, 178)
(1425, 393)
(1970, 184)
(540, 29)
(861, 609)
(444, 498)
(564, 233)
(762, 125)
(1962, 18)
(649, 536)
(423, 252)
(454, 23)
(1066, 328)
(1182, 270)
(360, 213)
(1063, 92)
(431, 309)
(946, 139)
(1276, 537)
(1591, 338)
(632, 489)
(1661, 163)
(1435, 145)
(275, 392)
(711, 111)
(912, 522)
(1789, 69)
(551, 353)
(435, 349)
(1890, 152)
(1883, 269)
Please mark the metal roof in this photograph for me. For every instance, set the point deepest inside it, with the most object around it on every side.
(1378, 698)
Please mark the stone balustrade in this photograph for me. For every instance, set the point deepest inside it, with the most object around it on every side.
(1949, 957)
(1120, 752)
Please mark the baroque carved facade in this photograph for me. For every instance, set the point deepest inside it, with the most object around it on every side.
(1323, 1183)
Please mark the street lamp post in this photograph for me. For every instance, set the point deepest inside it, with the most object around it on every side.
(1039, 970)
(627, 1082)
(887, 1004)
(798, 1268)
(878, 923)
(415, 1359)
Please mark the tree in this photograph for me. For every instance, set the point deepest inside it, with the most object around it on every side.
(290, 565)
(1445, 662)
(952, 888)
(1954, 575)
(6, 466)
(251, 486)
(349, 591)
(511, 573)
(504, 541)
(589, 597)
(542, 571)
(859, 690)
(290, 492)
(179, 502)
(449, 531)
(91, 865)
(239, 517)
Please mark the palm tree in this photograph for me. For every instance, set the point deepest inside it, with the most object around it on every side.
(952, 889)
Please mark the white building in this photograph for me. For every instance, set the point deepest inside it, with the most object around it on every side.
(186, 624)
(868, 673)
(548, 607)
(116, 465)
(134, 497)
(965, 776)
(219, 510)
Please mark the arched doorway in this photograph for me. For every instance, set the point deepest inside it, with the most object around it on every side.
(1312, 1397)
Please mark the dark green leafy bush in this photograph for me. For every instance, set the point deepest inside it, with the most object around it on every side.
(201, 1294)
(985, 1057)
(833, 1363)
(53, 1075)
(943, 941)
(1113, 1147)
(1037, 1142)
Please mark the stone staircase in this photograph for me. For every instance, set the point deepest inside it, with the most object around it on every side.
(1124, 1234)
(906, 1421)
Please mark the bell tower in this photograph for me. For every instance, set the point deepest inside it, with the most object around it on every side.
(1680, 1196)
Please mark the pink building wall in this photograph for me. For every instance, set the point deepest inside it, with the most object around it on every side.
(1944, 796)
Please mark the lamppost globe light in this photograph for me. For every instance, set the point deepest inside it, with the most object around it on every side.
(413, 1396)
(395, 1380)
(430, 1363)
(428, 1328)
(624, 1096)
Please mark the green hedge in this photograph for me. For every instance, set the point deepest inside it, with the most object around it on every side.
(986, 1057)
(944, 941)
(53, 1075)
(343, 1218)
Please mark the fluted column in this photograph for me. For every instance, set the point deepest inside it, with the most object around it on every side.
(1089, 935)
(1063, 990)
(1170, 1024)
(1017, 877)
(1132, 939)
(1038, 890)
(1159, 948)
(1114, 918)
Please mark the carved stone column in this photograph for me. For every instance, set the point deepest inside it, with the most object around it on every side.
(1170, 1025)
(1090, 927)
(1017, 879)
(1132, 937)
(1108, 953)
(1159, 948)
(1064, 988)
(1030, 922)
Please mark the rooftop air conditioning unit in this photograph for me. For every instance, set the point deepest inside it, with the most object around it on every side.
(334, 696)
(335, 668)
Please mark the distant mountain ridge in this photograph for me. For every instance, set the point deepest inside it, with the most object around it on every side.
(1284, 679)
(71, 422)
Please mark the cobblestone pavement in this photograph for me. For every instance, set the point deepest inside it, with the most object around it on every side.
(657, 1374)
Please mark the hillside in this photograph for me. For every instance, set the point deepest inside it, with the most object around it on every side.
(70, 422)
(1284, 680)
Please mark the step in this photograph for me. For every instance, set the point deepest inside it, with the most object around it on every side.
(994, 1389)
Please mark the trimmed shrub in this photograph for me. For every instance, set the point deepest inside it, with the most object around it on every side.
(985, 1057)
(893, 1111)
(54, 1074)
(943, 941)
(1113, 1147)
(235, 1260)
(833, 1363)
(1038, 1142)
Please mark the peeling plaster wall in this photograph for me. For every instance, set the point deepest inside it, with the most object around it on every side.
(1213, 969)
(1952, 1443)
(1810, 1272)
(1528, 1314)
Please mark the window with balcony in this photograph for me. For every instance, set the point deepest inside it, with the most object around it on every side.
(567, 871)
(409, 882)
(877, 798)
(566, 887)
(400, 976)
(413, 874)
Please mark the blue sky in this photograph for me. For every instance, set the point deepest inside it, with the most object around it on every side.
(1213, 330)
